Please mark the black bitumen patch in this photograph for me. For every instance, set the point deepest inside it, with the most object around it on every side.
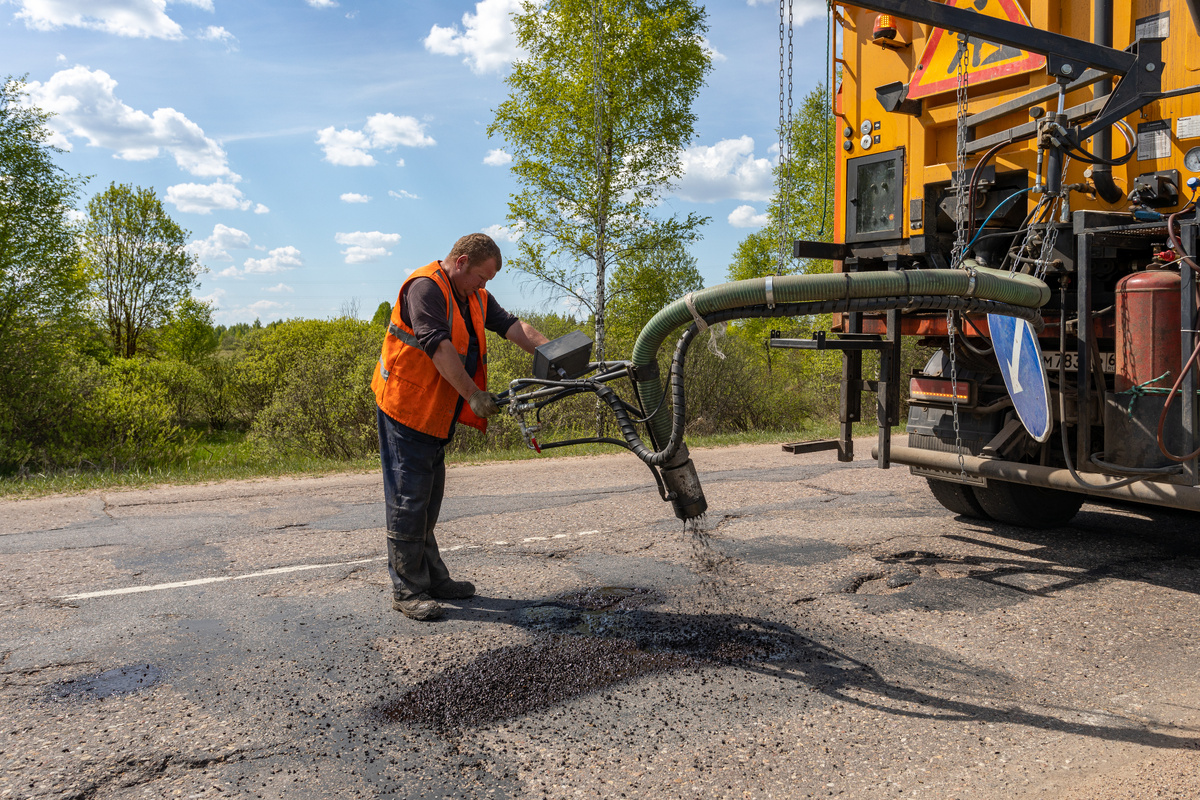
(119, 681)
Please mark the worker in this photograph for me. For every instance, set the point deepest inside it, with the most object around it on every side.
(431, 375)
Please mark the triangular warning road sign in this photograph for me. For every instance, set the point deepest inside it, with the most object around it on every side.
(938, 69)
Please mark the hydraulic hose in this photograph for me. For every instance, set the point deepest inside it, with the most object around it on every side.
(796, 295)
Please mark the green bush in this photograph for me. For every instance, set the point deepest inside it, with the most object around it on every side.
(62, 410)
(128, 421)
(316, 375)
(183, 385)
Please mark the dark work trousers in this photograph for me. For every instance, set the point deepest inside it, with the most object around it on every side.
(414, 479)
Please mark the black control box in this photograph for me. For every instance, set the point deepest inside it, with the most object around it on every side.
(564, 358)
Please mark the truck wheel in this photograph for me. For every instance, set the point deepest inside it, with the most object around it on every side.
(957, 498)
(1028, 506)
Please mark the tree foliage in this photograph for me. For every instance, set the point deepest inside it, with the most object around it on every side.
(40, 274)
(189, 335)
(644, 283)
(806, 179)
(383, 314)
(595, 120)
(137, 263)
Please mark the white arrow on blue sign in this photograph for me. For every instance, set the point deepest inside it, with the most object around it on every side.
(1020, 358)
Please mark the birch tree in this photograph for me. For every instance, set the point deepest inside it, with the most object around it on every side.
(597, 116)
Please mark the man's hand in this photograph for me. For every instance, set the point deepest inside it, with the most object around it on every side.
(483, 404)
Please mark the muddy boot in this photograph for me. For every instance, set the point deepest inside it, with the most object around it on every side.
(420, 607)
(453, 590)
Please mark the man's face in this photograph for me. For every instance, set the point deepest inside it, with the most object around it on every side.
(467, 278)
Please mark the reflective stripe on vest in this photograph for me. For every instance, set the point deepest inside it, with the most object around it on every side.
(383, 372)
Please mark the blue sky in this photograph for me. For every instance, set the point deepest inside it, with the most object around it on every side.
(319, 150)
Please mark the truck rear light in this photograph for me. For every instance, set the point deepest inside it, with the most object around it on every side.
(941, 390)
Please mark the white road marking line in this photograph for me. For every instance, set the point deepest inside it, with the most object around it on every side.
(221, 579)
(158, 587)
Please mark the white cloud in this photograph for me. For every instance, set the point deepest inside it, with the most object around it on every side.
(726, 170)
(747, 217)
(365, 246)
(399, 162)
(136, 18)
(387, 131)
(508, 233)
(213, 298)
(60, 58)
(216, 33)
(717, 57)
(261, 209)
(204, 198)
(348, 148)
(217, 246)
(260, 308)
(487, 38)
(281, 287)
(402, 194)
(323, 3)
(84, 105)
(355, 197)
(280, 259)
(803, 11)
(497, 158)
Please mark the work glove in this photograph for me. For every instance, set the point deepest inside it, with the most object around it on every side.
(483, 404)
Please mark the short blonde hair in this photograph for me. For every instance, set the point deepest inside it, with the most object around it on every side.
(477, 247)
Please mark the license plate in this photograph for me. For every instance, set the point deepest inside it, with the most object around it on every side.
(1108, 361)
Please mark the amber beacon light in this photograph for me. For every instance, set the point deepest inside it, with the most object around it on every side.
(885, 27)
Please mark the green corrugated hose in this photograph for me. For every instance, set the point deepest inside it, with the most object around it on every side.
(981, 282)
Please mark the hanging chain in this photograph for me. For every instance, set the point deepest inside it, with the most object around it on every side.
(828, 123)
(785, 130)
(960, 195)
(960, 236)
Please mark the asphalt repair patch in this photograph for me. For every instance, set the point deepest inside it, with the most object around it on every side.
(113, 682)
(594, 639)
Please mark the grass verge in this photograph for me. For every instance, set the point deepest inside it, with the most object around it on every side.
(229, 456)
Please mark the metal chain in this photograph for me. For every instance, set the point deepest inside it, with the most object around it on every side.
(785, 135)
(960, 196)
(960, 236)
(1051, 237)
(958, 445)
(783, 143)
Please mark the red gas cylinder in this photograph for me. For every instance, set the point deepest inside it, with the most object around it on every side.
(1147, 328)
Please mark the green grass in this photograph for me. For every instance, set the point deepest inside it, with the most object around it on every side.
(229, 456)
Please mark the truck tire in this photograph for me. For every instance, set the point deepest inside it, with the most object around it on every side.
(957, 498)
(1028, 506)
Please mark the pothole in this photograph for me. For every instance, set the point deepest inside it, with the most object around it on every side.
(119, 681)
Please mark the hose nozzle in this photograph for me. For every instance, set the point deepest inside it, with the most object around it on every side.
(683, 486)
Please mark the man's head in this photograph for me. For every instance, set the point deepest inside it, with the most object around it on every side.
(473, 261)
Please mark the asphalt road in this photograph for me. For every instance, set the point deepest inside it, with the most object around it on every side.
(833, 632)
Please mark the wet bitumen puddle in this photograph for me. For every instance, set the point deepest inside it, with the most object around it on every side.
(111, 683)
(593, 639)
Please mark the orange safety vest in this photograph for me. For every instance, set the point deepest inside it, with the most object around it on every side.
(408, 387)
